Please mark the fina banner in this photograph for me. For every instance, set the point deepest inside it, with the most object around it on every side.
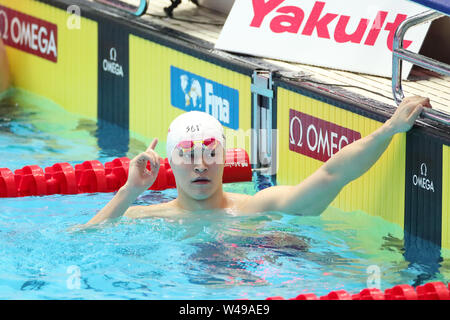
(353, 35)
(191, 92)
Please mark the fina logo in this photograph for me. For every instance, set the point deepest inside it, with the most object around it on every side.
(194, 94)
(216, 106)
(191, 92)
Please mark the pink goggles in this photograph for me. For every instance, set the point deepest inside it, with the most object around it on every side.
(188, 145)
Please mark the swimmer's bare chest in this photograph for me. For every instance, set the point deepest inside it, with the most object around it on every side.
(235, 204)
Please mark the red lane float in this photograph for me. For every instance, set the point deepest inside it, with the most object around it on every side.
(7, 183)
(305, 296)
(369, 294)
(237, 166)
(429, 291)
(165, 178)
(433, 291)
(275, 298)
(30, 181)
(61, 179)
(337, 295)
(116, 173)
(92, 176)
(401, 292)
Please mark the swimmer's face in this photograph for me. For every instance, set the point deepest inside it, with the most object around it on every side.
(198, 171)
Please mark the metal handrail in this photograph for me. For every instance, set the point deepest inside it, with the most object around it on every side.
(399, 54)
(128, 8)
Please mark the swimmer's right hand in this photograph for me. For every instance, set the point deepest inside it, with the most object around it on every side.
(139, 180)
(139, 177)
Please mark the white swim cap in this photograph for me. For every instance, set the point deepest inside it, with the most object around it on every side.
(193, 125)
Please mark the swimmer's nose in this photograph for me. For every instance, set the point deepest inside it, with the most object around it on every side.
(199, 162)
(200, 168)
(199, 165)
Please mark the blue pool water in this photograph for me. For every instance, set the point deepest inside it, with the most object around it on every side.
(205, 256)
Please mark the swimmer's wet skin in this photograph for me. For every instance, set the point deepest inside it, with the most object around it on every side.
(195, 149)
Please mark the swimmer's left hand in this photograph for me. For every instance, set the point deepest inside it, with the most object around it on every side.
(407, 113)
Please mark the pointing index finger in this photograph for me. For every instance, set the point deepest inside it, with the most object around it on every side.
(153, 144)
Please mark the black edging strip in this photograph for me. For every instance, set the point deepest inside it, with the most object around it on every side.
(113, 93)
(205, 51)
(341, 102)
(436, 131)
(423, 207)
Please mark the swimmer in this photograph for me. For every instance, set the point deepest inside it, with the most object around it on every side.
(196, 152)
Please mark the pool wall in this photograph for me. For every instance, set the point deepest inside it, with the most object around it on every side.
(126, 72)
(411, 178)
(71, 81)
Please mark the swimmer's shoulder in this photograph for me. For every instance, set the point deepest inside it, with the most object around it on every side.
(162, 210)
(238, 203)
(238, 198)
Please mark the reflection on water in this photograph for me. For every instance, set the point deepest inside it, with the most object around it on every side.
(231, 257)
(209, 255)
(112, 140)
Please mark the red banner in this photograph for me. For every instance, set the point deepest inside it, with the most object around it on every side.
(317, 138)
(29, 34)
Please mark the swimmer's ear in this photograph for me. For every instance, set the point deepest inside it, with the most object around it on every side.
(152, 145)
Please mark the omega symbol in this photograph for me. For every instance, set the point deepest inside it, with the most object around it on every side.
(113, 54)
(423, 169)
(291, 131)
(5, 31)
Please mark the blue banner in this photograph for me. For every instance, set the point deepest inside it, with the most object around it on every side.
(439, 5)
(191, 92)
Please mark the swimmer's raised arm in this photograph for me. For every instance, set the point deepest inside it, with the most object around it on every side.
(139, 180)
(313, 195)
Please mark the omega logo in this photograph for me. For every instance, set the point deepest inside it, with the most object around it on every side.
(422, 181)
(317, 138)
(111, 65)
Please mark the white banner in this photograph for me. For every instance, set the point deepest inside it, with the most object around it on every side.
(353, 35)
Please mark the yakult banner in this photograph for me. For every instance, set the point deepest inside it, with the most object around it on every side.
(353, 35)
(29, 34)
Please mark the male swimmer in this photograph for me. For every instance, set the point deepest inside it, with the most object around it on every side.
(196, 153)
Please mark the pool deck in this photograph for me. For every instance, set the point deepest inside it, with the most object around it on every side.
(376, 89)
